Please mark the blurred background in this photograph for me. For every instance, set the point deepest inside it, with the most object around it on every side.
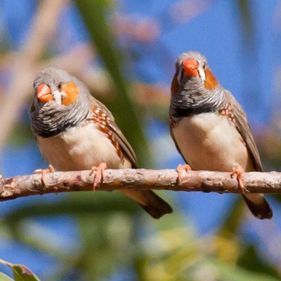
(125, 52)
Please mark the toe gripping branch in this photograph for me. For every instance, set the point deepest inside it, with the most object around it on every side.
(44, 172)
(182, 170)
(238, 173)
(97, 173)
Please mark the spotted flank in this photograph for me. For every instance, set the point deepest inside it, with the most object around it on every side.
(103, 121)
(227, 111)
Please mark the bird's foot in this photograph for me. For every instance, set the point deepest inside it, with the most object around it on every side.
(43, 172)
(97, 173)
(238, 173)
(182, 169)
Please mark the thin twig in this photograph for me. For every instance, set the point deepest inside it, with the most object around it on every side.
(137, 179)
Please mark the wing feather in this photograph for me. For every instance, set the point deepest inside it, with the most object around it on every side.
(245, 131)
(120, 138)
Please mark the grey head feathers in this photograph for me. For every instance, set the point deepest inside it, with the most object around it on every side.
(53, 117)
(191, 54)
(190, 95)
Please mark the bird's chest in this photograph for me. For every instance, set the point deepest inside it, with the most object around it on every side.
(209, 141)
(79, 148)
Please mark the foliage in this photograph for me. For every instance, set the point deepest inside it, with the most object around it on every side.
(167, 249)
(20, 272)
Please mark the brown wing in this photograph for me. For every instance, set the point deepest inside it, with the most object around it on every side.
(147, 199)
(109, 122)
(244, 129)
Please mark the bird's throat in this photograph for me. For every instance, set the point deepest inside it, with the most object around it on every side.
(48, 122)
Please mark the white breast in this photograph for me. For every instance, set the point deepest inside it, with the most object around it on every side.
(209, 141)
(80, 148)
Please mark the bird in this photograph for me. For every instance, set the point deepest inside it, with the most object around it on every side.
(210, 129)
(75, 131)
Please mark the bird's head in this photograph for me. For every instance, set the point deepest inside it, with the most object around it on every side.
(60, 101)
(194, 87)
(54, 86)
(192, 71)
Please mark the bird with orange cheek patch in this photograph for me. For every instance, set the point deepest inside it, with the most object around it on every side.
(210, 129)
(75, 131)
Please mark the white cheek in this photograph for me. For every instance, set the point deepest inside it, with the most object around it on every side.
(57, 97)
(202, 74)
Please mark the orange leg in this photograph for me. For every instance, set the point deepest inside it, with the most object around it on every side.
(238, 172)
(43, 172)
(182, 169)
(97, 173)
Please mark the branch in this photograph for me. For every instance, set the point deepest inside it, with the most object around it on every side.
(137, 179)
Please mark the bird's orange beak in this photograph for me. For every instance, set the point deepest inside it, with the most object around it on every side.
(190, 67)
(44, 93)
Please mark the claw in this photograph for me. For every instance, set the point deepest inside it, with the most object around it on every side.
(43, 172)
(97, 173)
(182, 169)
(238, 172)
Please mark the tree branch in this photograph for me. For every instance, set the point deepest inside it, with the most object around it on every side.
(137, 179)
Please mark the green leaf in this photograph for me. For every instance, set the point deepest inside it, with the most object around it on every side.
(4, 277)
(233, 219)
(94, 15)
(20, 272)
(252, 261)
(83, 203)
(246, 19)
(230, 273)
(21, 134)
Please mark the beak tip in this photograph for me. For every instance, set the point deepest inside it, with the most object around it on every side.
(190, 67)
(45, 98)
(43, 93)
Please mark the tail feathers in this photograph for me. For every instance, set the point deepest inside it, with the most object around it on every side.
(258, 206)
(150, 202)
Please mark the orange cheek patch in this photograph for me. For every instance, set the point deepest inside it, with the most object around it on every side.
(210, 80)
(71, 92)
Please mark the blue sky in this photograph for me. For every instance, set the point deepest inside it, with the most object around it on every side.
(217, 33)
